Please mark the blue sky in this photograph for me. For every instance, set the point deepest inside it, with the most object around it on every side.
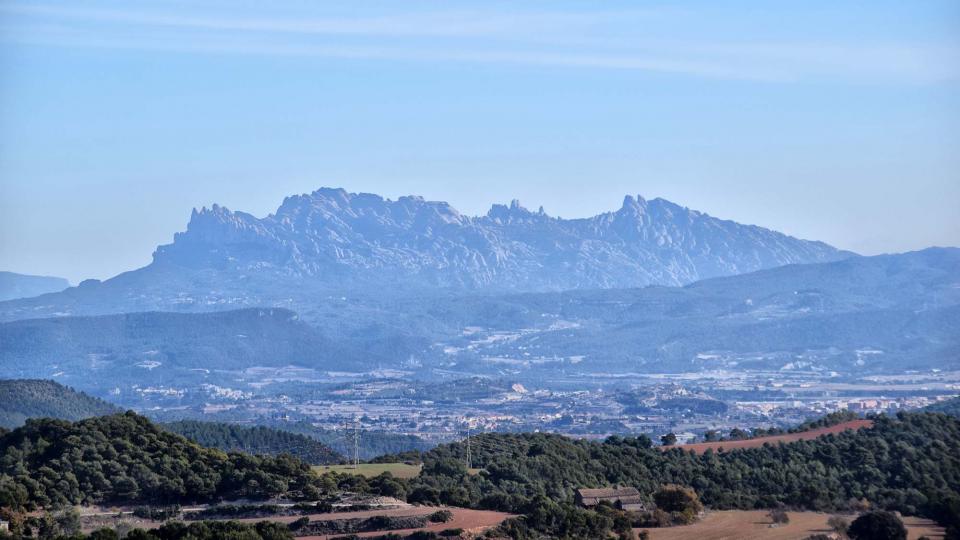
(837, 121)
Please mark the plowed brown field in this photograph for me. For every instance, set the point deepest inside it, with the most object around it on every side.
(755, 525)
(700, 448)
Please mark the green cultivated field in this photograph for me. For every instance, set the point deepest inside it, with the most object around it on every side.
(400, 470)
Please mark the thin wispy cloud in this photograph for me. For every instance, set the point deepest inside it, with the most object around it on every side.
(442, 24)
(599, 40)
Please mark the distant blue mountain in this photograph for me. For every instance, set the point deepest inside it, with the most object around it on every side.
(335, 241)
(886, 313)
(332, 232)
(13, 286)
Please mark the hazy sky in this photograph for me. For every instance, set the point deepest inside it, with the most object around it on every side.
(837, 121)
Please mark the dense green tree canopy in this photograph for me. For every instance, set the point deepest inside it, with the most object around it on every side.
(877, 525)
(124, 458)
(909, 463)
(255, 440)
(32, 398)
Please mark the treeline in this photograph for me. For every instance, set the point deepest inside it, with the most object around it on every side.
(910, 463)
(124, 458)
(902, 463)
(255, 440)
(34, 398)
(49, 528)
(213, 530)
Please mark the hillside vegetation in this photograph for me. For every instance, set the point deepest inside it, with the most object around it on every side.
(950, 406)
(909, 463)
(903, 463)
(255, 440)
(30, 398)
(124, 458)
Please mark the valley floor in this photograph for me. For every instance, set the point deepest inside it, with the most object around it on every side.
(755, 525)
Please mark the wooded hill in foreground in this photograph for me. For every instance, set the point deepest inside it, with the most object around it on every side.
(124, 458)
(909, 463)
(905, 463)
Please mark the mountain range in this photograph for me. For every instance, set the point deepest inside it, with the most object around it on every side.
(332, 240)
(858, 315)
(334, 233)
(336, 281)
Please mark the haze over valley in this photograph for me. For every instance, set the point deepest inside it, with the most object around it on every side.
(344, 305)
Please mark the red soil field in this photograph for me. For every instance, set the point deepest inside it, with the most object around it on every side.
(755, 525)
(700, 448)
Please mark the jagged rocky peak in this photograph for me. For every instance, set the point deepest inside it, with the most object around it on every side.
(332, 231)
(515, 213)
(337, 207)
(633, 204)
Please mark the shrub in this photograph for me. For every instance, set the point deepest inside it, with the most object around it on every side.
(299, 524)
(674, 498)
(103, 534)
(451, 532)
(779, 516)
(877, 525)
(838, 524)
(441, 516)
(157, 514)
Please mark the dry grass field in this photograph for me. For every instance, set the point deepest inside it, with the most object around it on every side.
(700, 448)
(400, 470)
(754, 524)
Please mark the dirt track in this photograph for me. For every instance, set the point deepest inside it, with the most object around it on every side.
(700, 448)
(755, 525)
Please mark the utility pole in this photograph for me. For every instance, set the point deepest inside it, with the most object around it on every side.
(356, 444)
(469, 460)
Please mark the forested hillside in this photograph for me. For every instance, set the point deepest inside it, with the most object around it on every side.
(372, 443)
(909, 463)
(30, 398)
(255, 440)
(124, 458)
(951, 407)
